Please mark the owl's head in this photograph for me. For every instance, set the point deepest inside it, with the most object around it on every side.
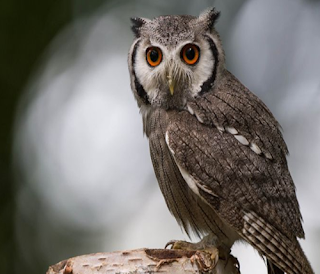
(174, 58)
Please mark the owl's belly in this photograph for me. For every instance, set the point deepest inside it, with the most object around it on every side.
(200, 217)
(190, 211)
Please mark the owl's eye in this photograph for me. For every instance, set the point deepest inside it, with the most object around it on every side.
(154, 56)
(190, 54)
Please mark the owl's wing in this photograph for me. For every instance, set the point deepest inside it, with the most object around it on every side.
(251, 143)
(232, 154)
(223, 170)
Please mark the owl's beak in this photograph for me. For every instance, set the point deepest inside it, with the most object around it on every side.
(171, 84)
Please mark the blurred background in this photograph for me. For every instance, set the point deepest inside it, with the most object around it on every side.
(75, 172)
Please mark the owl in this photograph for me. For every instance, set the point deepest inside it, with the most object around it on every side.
(217, 150)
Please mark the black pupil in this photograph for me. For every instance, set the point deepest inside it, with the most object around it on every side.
(190, 53)
(154, 55)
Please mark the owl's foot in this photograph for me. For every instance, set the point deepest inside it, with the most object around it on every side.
(183, 245)
(206, 257)
(207, 243)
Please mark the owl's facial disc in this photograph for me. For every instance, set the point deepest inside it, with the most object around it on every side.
(175, 67)
(175, 58)
(167, 75)
(171, 73)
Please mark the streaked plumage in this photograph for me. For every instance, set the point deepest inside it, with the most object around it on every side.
(217, 151)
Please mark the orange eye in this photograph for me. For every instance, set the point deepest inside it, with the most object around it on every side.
(154, 56)
(190, 54)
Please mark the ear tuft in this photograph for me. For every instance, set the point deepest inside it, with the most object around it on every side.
(209, 17)
(137, 23)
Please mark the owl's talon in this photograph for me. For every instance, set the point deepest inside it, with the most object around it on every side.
(175, 244)
(170, 243)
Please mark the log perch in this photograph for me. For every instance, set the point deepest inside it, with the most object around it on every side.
(147, 261)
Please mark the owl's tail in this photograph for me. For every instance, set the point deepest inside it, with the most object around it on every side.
(280, 251)
(273, 269)
(299, 259)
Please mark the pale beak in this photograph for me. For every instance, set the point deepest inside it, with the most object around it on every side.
(171, 84)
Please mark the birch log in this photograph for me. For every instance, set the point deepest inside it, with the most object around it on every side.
(147, 261)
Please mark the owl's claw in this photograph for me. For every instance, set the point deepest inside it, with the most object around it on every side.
(175, 244)
(170, 243)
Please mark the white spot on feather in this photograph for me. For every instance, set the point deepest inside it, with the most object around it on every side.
(168, 144)
(243, 140)
(189, 180)
(231, 130)
(207, 189)
(220, 128)
(190, 110)
(246, 217)
(268, 155)
(255, 148)
(199, 118)
(186, 176)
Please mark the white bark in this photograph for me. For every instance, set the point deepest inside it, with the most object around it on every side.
(147, 261)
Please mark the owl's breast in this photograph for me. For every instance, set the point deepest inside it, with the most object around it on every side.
(191, 212)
